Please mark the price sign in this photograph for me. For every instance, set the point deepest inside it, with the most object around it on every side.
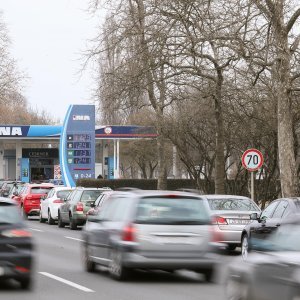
(252, 160)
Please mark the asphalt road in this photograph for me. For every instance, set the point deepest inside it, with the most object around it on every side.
(59, 273)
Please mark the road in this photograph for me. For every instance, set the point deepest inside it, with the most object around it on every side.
(59, 273)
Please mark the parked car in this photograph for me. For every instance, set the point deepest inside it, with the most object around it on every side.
(150, 230)
(75, 207)
(268, 221)
(50, 204)
(96, 206)
(31, 198)
(15, 190)
(5, 188)
(271, 271)
(16, 245)
(230, 215)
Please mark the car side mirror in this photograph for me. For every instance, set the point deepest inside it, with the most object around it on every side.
(93, 205)
(15, 194)
(254, 216)
(43, 198)
(5, 194)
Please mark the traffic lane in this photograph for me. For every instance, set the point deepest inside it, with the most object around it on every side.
(61, 257)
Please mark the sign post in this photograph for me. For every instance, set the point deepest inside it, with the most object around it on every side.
(252, 160)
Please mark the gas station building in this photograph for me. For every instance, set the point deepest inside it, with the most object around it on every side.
(38, 146)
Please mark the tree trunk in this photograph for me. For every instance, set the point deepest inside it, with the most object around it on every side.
(220, 145)
(282, 84)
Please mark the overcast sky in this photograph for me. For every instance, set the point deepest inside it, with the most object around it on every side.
(47, 37)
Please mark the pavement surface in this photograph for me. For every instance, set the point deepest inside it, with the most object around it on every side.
(59, 274)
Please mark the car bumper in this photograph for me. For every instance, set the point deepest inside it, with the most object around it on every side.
(33, 210)
(228, 236)
(15, 265)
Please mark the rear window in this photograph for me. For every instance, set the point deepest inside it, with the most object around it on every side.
(63, 194)
(90, 195)
(40, 190)
(232, 204)
(9, 214)
(177, 211)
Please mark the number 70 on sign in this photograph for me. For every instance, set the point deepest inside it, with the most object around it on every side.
(252, 160)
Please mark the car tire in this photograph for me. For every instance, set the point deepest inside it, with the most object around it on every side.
(231, 247)
(73, 224)
(245, 248)
(89, 265)
(41, 219)
(237, 290)
(209, 274)
(51, 221)
(116, 268)
(60, 223)
(26, 283)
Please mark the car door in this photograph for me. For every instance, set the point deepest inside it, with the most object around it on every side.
(276, 219)
(45, 203)
(265, 225)
(97, 233)
(64, 209)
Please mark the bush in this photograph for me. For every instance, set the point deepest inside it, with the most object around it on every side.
(144, 184)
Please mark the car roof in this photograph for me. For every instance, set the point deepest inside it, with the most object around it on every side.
(150, 193)
(93, 188)
(212, 196)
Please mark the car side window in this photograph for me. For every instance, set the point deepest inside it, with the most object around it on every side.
(278, 213)
(122, 210)
(107, 210)
(50, 194)
(268, 212)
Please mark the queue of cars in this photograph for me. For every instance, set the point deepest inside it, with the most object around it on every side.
(135, 229)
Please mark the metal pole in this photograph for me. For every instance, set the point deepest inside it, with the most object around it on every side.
(252, 186)
(118, 160)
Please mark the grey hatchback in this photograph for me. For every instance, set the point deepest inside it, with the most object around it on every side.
(150, 230)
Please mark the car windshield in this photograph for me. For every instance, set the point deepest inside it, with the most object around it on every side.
(171, 210)
(90, 195)
(240, 204)
(63, 194)
(40, 190)
(9, 214)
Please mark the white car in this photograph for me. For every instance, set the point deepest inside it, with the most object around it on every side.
(49, 205)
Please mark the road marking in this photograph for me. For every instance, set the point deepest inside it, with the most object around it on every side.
(70, 283)
(100, 258)
(71, 238)
(36, 230)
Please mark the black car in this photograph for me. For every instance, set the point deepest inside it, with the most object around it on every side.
(271, 271)
(268, 221)
(16, 245)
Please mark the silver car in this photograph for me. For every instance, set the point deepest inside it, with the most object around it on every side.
(230, 215)
(271, 271)
(150, 230)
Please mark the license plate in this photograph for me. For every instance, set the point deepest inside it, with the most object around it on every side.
(179, 240)
(1, 271)
(238, 221)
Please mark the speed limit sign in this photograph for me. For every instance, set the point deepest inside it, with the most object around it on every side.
(252, 160)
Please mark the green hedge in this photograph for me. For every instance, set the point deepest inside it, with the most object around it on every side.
(145, 184)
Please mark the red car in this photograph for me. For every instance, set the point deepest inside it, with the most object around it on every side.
(30, 198)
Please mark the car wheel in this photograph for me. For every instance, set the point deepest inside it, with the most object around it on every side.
(237, 290)
(245, 246)
(42, 220)
(89, 265)
(25, 283)
(116, 268)
(73, 224)
(209, 274)
(231, 247)
(60, 223)
(50, 220)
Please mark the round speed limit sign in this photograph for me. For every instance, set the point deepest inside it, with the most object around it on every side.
(252, 160)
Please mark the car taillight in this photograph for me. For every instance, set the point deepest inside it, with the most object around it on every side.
(128, 234)
(58, 201)
(219, 221)
(79, 206)
(16, 233)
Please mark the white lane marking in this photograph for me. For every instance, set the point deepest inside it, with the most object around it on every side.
(71, 238)
(36, 230)
(70, 283)
(100, 258)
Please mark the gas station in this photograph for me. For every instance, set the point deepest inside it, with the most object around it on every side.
(77, 149)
